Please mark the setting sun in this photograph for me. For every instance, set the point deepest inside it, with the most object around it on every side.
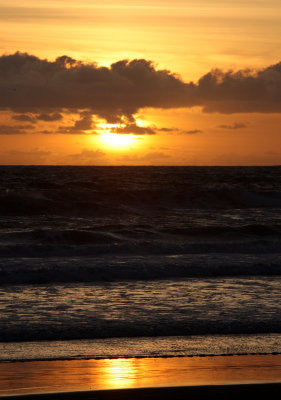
(116, 141)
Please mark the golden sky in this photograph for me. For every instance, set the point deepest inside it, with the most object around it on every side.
(158, 82)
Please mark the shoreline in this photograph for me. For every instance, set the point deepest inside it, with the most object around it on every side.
(142, 347)
(138, 357)
(107, 376)
(171, 357)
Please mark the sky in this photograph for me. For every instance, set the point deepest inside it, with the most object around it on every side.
(158, 82)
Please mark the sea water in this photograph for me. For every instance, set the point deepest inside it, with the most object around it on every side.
(99, 262)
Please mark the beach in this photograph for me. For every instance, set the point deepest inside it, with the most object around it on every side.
(142, 377)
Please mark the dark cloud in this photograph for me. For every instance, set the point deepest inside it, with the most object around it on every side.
(24, 118)
(234, 126)
(116, 93)
(32, 118)
(15, 129)
(45, 132)
(243, 91)
(35, 84)
(177, 130)
(135, 130)
(192, 132)
(80, 126)
(167, 129)
(49, 117)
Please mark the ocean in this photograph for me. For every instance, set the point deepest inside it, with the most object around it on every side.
(108, 262)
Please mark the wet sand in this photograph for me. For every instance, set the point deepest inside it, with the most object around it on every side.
(201, 377)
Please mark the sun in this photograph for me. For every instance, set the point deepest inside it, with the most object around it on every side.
(116, 141)
(112, 140)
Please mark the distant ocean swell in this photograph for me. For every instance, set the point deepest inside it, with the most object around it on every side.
(124, 233)
(27, 270)
(117, 190)
(130, 200)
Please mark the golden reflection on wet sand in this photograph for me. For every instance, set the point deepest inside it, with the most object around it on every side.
(55, 376)
(118, 373)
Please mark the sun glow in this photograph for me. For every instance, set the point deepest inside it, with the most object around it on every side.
(116, 141)
(112, 140)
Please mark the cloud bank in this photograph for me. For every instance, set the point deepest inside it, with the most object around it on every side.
(40, 90)
(34, 85)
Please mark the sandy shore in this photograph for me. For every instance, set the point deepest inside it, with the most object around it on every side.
(250, 391)
(126, 378)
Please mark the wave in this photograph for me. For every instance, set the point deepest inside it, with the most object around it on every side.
(122, 234)
(79, 244)
(22, 271)
(136, 202)
(117, 191)
(98, 329)
(145, 347)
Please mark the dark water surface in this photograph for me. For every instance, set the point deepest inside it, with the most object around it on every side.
(104, 252)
